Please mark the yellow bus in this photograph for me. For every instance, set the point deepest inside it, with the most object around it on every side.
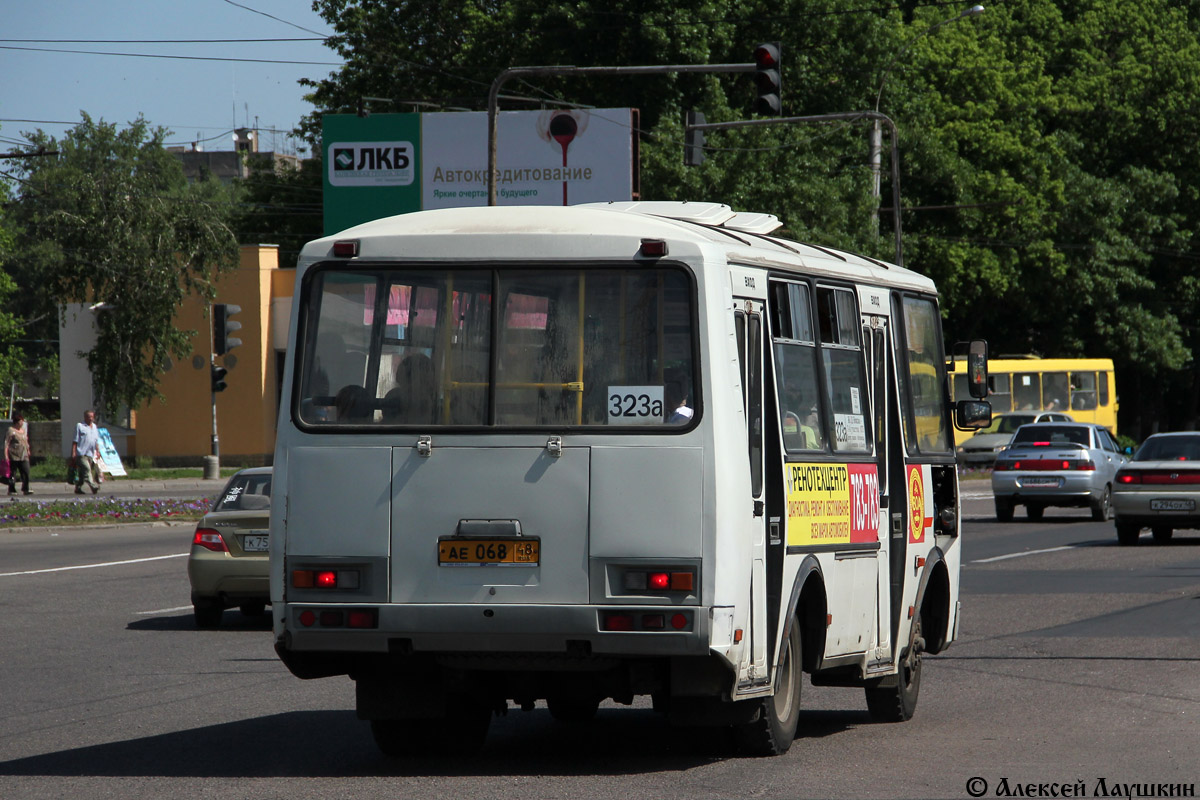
(1081, 387)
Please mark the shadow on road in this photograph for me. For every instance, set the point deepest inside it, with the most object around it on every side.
(232, 621)
(336, 744)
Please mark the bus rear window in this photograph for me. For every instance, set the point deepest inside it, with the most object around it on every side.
(514, 348)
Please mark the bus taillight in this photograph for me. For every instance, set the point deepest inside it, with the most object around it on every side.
(661, 580)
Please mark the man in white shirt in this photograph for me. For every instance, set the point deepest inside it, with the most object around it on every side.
(85, 451)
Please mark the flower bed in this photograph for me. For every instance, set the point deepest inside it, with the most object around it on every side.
(97, 511)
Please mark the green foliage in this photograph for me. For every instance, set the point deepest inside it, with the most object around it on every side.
(112, 219)
(1049, 151)
(281, 205)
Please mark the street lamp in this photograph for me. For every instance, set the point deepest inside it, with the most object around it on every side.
(876, 136)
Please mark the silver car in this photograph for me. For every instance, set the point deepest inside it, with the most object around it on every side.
(1057, 464)
(1159, 489)
(228, 563)
(981, 449)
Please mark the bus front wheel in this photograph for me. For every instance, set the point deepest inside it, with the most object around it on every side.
(772, 732)
(894, 698)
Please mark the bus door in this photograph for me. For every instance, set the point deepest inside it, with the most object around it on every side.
(877, 341)
(749, 316)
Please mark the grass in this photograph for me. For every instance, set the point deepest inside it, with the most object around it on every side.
(100, 510)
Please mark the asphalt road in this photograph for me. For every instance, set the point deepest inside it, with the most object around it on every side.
(1077, 661)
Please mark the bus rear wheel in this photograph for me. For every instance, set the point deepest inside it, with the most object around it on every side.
(572, 708)
(772, 732)
(463, 730)
(894, 698)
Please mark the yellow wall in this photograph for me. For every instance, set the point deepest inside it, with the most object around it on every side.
(181, 427)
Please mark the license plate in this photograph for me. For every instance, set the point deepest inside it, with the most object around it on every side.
(1040, 482)
(255, 544)
(457, 552)
(1172, 505)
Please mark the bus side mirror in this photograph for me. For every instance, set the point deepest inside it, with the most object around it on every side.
(971, 415)
(977, 358)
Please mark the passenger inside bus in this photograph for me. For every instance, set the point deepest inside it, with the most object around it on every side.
(416, 401)
(809, 438)
(675, 394)
(351, 404)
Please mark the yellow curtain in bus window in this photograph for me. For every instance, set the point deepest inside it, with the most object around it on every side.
(832, 504)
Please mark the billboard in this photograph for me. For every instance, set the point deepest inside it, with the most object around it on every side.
(389, 164)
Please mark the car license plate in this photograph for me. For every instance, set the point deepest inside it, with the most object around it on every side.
(256, 544)
(1172, 505)
(1052, 482)
(458, 552)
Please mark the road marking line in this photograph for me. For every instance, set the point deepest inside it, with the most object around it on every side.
(91, 566)
(1026, 553)
(163, 610)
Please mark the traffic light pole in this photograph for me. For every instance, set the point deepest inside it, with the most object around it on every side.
(527, 72)
(850, 116)
(212, 464)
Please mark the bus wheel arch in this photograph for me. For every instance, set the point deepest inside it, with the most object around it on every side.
(809, 609)
(933, 600)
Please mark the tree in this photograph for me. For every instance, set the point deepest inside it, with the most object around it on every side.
(1049, 151)
(111, 219)
(280, 204)
(12, 329)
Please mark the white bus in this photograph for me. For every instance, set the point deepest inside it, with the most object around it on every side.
(607, 451)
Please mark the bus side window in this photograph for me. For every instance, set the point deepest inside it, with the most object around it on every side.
(845, 370)
(796, 368)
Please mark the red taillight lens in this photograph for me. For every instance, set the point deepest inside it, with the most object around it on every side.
(362, 618)
(308, 619)
(210, 540)
(658, 580)
(679, 622)
(1128, 477)
(346, 248)
(1087, 466)
(618, 622)
(326, 579)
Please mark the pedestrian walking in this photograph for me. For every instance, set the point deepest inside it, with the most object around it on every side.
(17, 453)
(85, 453)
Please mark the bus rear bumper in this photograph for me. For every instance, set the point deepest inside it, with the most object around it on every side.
(585, 630)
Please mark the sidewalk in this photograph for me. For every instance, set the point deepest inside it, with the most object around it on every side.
(120, 487)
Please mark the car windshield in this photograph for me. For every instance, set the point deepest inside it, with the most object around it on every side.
(1169, 448)
(1008, 423)
(1052, 436)
(245, 493)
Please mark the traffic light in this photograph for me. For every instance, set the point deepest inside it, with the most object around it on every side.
(218, 378)
(768, 77)
(223, 326)
(693, 140)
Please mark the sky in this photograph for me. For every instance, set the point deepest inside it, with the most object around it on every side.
(201, 100)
